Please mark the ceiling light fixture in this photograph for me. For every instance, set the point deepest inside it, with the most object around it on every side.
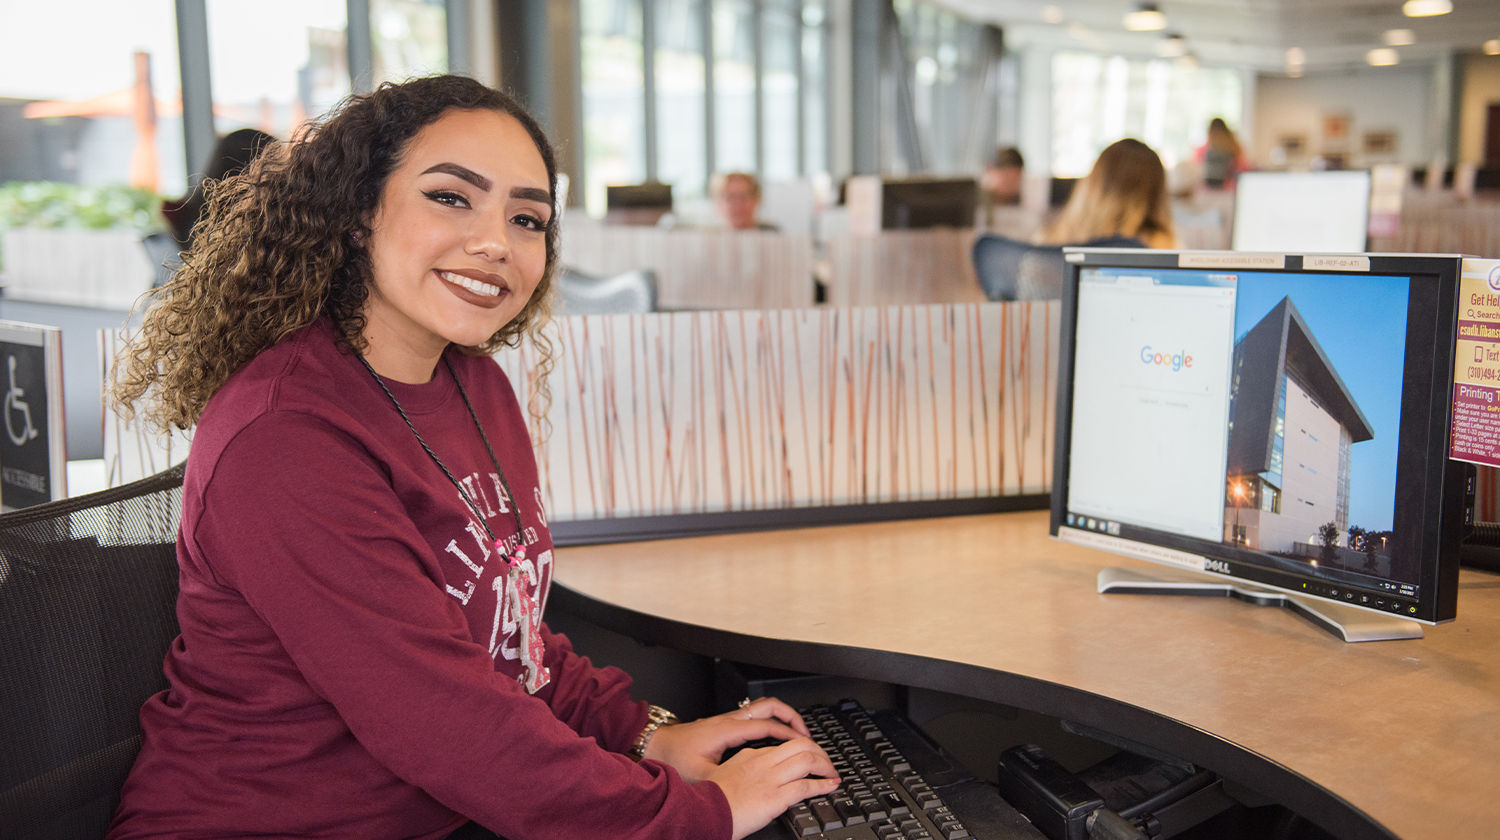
(1052, 14)
(1295, 55)
(1172, 46)
(1492, 47)
(1382, 57)
(1146, 18)
(1426, 8)
(1399, 37)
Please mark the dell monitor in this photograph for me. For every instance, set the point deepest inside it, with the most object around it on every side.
(1303, 212)
(1278, 425)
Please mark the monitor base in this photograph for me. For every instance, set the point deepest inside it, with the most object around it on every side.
(1348, 623)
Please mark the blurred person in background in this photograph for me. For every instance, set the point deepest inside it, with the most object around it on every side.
(1002, 179)
(737, 198)
(1000, 187)
(1124, 197)
(233, 153)
(1221, 157)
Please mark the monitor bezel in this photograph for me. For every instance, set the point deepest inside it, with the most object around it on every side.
(1430, 490)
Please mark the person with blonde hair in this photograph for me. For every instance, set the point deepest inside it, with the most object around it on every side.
(1123, 197)
(364, 557)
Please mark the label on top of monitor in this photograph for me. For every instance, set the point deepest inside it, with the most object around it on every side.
(1336, 262)
(1229, 259)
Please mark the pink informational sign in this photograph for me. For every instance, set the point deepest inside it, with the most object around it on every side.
(1476, 375)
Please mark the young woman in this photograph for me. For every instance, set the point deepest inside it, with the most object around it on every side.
(1124, 196)
(1221, 157)
(364, 555)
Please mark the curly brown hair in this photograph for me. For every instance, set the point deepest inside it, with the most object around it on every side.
(280, 245)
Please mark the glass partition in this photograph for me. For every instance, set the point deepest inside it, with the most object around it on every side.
(410, 38)
(680, 122)
(89, 94)
(1098, 99)
(814, 42)
(734, 85)
(780, 28)
(278, 64)
(614, 121)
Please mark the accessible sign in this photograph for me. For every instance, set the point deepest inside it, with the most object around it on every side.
(33, 452)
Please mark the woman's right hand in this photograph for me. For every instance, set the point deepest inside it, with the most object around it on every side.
(762, 783)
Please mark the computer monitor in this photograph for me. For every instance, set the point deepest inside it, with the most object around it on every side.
(1301, 212)
(1059, 190)
(1279, 423)
(928, 203)
(637, 204)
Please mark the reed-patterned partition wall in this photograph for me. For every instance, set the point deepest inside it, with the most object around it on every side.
(707, 412)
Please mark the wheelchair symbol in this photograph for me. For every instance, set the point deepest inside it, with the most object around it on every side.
(14, 404)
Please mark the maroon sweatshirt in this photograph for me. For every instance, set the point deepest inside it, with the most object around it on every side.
(355, 659)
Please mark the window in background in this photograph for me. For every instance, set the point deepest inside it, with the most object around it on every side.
(614, 120)
(814, 87)
(789, 51)
(681, 140)
(780, 31)
(734, 85)
(410, 38)
(276, 64)
(954, 87)
(73, 114)
(1097, 100)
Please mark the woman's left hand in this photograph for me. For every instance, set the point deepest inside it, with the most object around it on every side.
(695, 748)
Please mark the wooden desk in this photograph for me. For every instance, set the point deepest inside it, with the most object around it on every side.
(1369, 740)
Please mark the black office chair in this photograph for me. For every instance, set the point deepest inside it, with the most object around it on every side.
(88, 597)
(1011, 270)
(632, 293)
(997, 263)
(165, 254)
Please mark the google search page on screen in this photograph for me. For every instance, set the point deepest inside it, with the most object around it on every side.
(1152, 374)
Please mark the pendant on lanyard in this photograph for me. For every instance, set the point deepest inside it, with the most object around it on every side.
(524, 606)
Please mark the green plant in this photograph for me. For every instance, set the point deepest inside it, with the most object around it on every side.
(48, 204)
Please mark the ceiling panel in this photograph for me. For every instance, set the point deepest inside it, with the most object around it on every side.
(1248, 32)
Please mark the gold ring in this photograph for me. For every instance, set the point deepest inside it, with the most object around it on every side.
(745, 702)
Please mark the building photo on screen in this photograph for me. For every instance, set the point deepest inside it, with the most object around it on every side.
(1313, 424)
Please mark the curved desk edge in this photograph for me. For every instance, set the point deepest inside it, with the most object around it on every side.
(1287, 787)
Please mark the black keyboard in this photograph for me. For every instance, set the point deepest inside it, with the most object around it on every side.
(896, 785)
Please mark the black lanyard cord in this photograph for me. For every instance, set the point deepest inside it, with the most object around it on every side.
(520, 552)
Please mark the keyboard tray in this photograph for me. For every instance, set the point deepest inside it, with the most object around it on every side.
(898, 785)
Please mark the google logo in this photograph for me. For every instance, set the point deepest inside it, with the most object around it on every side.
(1176, 362)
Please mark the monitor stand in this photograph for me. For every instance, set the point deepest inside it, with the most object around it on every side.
(1348, 623)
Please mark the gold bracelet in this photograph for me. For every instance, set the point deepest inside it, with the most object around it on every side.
(656, 717)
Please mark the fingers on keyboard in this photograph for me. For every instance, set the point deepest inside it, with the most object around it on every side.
(871, 771)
